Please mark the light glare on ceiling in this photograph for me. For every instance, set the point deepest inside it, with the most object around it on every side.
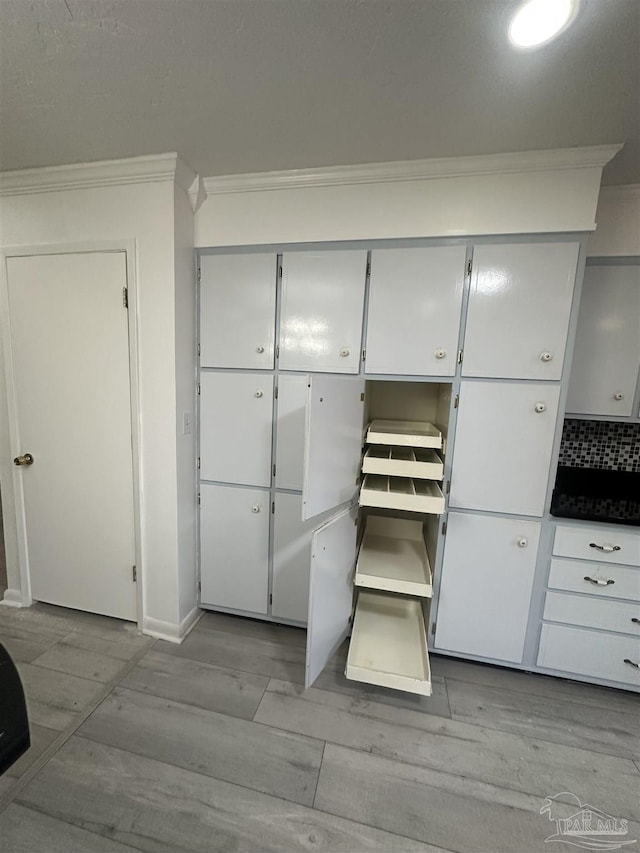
(539, 21)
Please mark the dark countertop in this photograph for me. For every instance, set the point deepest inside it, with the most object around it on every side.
(592, 494)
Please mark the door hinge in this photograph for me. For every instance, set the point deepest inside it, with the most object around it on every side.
(368, 269)
(433, 629)
(270, 598)
(199, 587)
(198, 389)
(444, 528)
(460, 352)
(278, 351)
(456, 401)
(134, 574)
(275, 392)
(198, 463)
(273, 507)
(198, 350)
(125, 297)
(364, 355)
(274, 469)
(280, 271)
(362, 397)
(469, 264)
(198, 498)
(448, 487)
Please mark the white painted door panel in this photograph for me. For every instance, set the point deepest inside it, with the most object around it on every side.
(593, 653)
(291, 559)
(292, 403)
(415, 296)
(70, 345)
(519, 305)
(503, 442)
(237, 310)
(487, 577)
(234, 547)
(333, 554)
(333, 442)
(606, 357)
(236, 412)
(322, 305)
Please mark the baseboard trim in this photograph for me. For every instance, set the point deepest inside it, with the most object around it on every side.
(172, 632)
(13, 598)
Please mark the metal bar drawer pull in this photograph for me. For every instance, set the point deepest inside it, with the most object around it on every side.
(632, 662)
(599, 581)
(606, 548)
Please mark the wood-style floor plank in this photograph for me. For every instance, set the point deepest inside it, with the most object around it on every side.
(498, 758)
(238, 751)
(56, 699)
(226, 691)
(255, 629)
(41, 739)
(159, 807)
(69, 658)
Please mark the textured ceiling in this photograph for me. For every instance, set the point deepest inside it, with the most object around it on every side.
(257, 85)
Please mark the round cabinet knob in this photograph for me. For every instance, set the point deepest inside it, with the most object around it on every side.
(540, 407)
(440, 353)
(344, 352)
(545, 356)
(522, 542)
(258, 393)
(618, 396)
(260, 350)
(255, 508)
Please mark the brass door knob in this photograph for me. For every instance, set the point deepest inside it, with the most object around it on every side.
(25, 459)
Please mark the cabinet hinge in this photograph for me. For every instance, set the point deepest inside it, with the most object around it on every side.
(278, 351)
(469, 264)
(433, 629)
(273, 507)
(280, 271)
(275, 392)
(460, 352)
(198, 273)
(134, 574)
(274, 469)
(448, 487)
(444, 528)
(270, 598)
(198, 350)
(198, 498)
(198, 389)
(198, 463)
(125, 297)
(364, 355)
(456, 401)
(199, 587)
(368, 273)
(362, 397)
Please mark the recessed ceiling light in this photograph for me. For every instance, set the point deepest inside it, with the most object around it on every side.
(537, 22)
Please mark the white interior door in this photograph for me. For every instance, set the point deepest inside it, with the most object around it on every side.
(519, 305)
(291, 558)
(70, 351)
(333, 442)
(234, 547)
(292, 404)
(502, 450)
(415, 297)
(236, 411)
(237, 310)
(333, 554)
(487, 577)
(322, 305)
(606, 357)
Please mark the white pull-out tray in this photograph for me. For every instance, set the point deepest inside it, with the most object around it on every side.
(393, 557)
(402, 493)
(404, 433)
(389, 643)
(403, 462)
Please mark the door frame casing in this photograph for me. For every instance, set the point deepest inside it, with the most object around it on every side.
(13, 486)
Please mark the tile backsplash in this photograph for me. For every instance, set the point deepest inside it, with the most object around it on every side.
(600, 444)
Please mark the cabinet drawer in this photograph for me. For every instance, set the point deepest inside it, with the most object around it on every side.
(600, 543)
(595, 579)
(583, 652)
(402, 493)
(403, 462)
(620, 616)
(389, 643)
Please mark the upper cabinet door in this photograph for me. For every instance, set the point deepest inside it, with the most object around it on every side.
(415, 296)
(519, 307)
(333, 442)
(236, 411)
(606, 358)
(502, 450)
(237, 310)
(322, 305)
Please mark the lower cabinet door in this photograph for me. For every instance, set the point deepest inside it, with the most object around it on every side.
(234, 548)
(291, 559)
(487, 576)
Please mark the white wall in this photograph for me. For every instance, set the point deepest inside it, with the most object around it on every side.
(143, 212)
(525, 202)
(618, 221)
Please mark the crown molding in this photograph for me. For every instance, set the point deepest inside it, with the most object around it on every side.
(415, 170)
(622, 192)
(104, 173)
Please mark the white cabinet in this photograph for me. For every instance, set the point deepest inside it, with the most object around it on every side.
(234, 547)
(322, 309)
(606, 358)
(487, 577)
(236, 411)
(415, 297)
(237, 310)
(519, 306)
(291, 558)
(503, 443)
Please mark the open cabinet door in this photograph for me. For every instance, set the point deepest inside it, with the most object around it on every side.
(333, 442)
(333, 556)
